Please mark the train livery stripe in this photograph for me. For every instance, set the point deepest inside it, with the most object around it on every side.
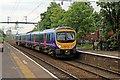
(65, 30)
(25, 70)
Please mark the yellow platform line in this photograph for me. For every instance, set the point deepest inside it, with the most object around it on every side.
(25, 70)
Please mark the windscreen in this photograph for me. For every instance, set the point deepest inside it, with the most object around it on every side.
(65, 36)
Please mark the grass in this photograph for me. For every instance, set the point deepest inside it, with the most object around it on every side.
(85, 46)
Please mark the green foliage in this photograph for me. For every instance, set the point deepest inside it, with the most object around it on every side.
(8, 38)
(110, 11)
(79, 16)
(82, 18)
(2, 35)
(52, 17)
(35, 28)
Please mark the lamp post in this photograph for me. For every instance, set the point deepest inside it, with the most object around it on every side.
(100, 36)
(8, 18)
(25, 18)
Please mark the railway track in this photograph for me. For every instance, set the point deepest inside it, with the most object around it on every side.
(54, 69)
(74, 69)
(101, 68)
(98, 71)
(65, 75)
(107, 62)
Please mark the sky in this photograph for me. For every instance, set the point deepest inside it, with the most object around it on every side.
(18, 10)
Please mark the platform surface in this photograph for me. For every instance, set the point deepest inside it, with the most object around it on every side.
(17, 65)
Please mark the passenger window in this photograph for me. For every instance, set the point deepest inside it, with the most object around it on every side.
(41, 38)
(48, 38)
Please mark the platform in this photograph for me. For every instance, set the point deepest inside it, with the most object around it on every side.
(101, 52)
(17, 65)
(0, 63)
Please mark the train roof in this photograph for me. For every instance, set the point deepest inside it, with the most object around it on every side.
(58, 28)
(20, 34)
(47, 30)
(64, 27)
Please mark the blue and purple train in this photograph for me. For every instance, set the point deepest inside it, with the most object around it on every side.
(59, 42)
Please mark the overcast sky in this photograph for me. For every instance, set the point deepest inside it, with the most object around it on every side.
(16, 10)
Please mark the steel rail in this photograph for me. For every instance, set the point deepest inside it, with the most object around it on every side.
(111, 71)
(61, 70)
(103, 76)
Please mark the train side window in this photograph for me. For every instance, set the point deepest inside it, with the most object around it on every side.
(16, 37)
(19, 38)
(26, 37)
(41, 38)
(29, 38)
(32, 37)
(48, 38)
(37, 37)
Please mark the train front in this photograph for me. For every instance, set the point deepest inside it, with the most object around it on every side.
(66, 42)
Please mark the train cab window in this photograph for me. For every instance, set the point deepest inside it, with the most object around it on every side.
(65, 36)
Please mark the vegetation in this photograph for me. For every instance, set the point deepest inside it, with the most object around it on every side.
(2, 35)
(110, 12)
(52, 17)
(79, 16)
(85, 46)
(82, 17)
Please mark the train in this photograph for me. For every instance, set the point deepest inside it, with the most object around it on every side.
(57, 42)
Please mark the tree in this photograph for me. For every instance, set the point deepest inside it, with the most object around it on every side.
(80, 17)
(2, 35)
(110, 12)
(35, 28)
(52, 17)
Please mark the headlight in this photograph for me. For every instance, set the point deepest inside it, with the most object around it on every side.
(59, 45)
(73, 45)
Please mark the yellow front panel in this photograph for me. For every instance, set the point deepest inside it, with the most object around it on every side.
(65, 46)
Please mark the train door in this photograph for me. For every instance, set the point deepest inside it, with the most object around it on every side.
(34, 39)
(44, 39)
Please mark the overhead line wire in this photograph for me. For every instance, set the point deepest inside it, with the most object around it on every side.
(34, 9)
(16, 7)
